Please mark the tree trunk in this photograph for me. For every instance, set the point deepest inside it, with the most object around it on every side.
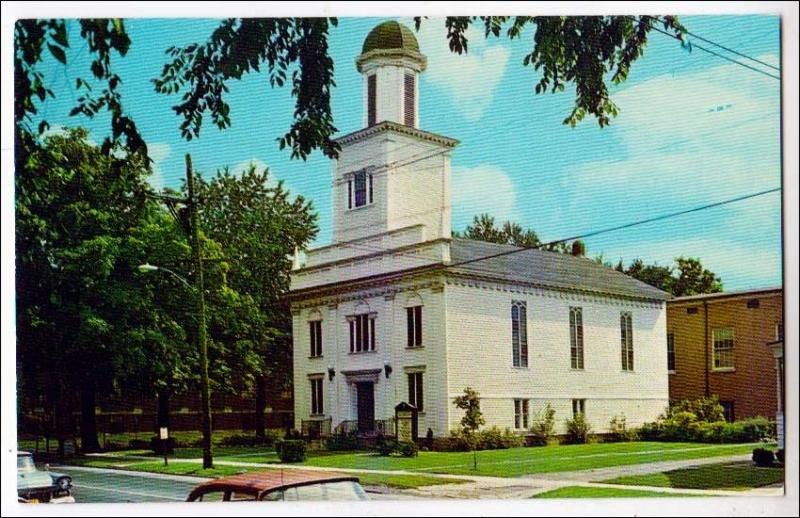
(261, 404)
(162, 419)
(89, 441)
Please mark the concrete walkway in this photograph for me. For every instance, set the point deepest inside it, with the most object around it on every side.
(483, 487)
(600, 474)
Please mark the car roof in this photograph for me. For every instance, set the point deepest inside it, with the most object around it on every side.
(258, 483)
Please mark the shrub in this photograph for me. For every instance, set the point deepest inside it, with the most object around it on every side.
(779, 455)
(704, 409)
(619, 431)
(543, 425)
(270, 436)
(408, 449)
(578, 430)
(342, 442)
(763, 458)
(291, 450)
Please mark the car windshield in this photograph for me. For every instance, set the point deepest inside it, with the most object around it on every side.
(25, 463)
(330, 491)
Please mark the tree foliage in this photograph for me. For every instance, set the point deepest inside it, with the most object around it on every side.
(686, 277)
(484, 228)
(579, 50)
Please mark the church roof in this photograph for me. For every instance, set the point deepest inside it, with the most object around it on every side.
(390, 35)
(546, 269)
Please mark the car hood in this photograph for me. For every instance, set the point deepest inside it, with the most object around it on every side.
(33, 479)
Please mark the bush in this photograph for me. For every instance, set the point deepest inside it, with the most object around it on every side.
(779, 455)
(619, 431)
(291, 450)
(704, 409)
(342, 442)
(270, 436)
(542, 427)
(763, 458)
(578, 430)
(408, 449)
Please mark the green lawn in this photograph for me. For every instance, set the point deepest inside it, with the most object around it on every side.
(524, 461)
(603, 492)
(196, 470)
(737, 476)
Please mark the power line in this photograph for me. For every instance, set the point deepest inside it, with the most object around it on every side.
(732, 51)
(594, 232)
(621, 227)
(694, 45)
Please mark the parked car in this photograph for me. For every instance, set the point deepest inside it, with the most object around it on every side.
(279, 485)
(36, 486)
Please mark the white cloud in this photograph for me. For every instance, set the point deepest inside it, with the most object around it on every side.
(484, 188)
(159, 152)
(471, 78)
(685, 140)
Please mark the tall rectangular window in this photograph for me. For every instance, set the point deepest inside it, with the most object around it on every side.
(360, 180)
(626, 338)
(362, 333)
(723, 348)
(671, 352)
(371, 100)
(408, 100)
(576, 337)
(315, 333)
(414, 326)
(316, 396)
(415, 395)
(578, 407)
(521, 413)
(519, 334)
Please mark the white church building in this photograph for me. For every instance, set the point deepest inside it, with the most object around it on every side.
(397, 310)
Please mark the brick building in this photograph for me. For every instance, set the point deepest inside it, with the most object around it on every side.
(717, 344)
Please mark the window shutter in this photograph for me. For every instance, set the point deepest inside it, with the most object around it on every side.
(409, 100)
(371, 100)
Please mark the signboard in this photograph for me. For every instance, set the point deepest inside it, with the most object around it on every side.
(163, 433)
(405, 419)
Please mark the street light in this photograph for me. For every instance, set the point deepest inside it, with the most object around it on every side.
(201, 339)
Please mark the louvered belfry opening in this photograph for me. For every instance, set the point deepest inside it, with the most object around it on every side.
(409, 100)
(371, 100)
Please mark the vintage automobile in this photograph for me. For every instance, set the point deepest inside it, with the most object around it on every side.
(280, 485)
(36, 486)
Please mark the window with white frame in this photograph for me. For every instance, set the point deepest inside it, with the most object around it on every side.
(315, 334)
(576, 337)
(362, 333)
(316, 396)
(359, 189)
(626, 338)
(723, 348)
(671, 352)
(578, 407)
(519, 334)
(521, 413)
(415, 392)
(414, 326)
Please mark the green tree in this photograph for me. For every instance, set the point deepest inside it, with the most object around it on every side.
(75, 207)
(579, 50)
(686, 277)
(259, 226)
(484, 228)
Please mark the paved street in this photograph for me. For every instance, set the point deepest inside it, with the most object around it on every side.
(106, 486)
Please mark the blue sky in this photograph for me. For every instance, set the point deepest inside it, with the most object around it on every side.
(692, 129)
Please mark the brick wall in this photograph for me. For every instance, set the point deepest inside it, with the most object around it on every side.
(750, 385)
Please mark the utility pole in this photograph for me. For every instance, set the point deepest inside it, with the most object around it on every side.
(202, 342)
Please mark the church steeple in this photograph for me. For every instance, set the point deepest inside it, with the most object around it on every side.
(390, 62)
